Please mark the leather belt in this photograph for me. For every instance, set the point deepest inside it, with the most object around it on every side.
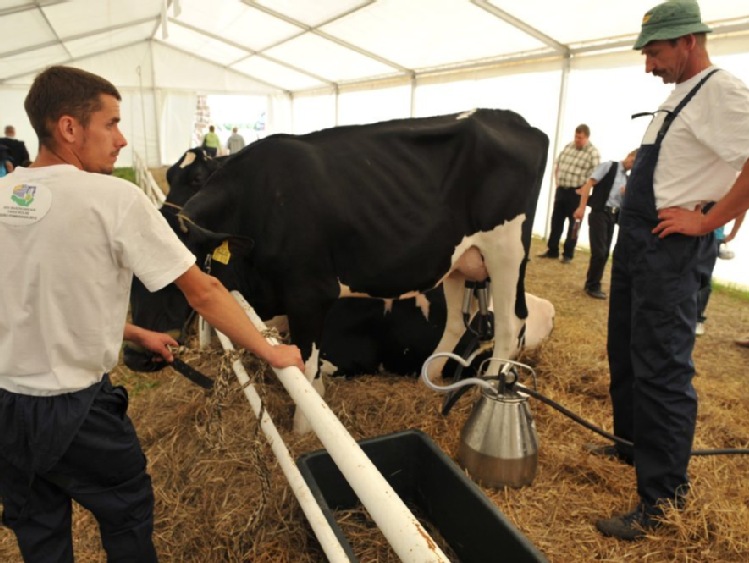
(612, 210)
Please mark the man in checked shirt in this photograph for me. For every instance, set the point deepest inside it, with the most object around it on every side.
(575, 165)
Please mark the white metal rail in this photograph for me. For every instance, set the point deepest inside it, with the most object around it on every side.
(401, 528)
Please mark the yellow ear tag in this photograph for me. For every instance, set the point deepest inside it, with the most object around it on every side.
(222, 254)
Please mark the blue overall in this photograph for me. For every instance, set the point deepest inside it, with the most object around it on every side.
(652, 316)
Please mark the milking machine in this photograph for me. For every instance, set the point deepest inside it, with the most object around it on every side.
(477, 340)
(498, 443)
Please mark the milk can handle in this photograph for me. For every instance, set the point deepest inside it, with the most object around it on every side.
(458, 384)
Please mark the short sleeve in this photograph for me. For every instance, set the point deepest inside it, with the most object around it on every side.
(149, 247)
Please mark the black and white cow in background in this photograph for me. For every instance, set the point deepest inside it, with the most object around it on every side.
(384, 210)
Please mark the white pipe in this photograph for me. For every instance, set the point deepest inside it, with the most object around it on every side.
(325, 534)
(406, 535)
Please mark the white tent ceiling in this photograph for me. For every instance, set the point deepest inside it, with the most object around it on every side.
(272, 46)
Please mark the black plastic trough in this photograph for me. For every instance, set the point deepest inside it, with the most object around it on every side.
(425, 478)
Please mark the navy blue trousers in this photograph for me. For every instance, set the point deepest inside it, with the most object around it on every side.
(103, 469)
(600, 233)
(566, 200)
(654, 287)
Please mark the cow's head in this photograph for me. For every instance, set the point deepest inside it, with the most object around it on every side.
(167, 310)
(187, 176)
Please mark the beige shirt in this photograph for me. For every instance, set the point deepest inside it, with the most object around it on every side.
(575, 165)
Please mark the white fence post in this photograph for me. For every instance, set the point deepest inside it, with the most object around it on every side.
(146, 181)
(323, 531)
(404, 532)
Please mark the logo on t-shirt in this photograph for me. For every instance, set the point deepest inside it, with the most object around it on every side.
(24, 204)
(23, 195)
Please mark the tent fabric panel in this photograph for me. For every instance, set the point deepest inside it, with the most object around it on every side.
(573, 22)
(107, 41)
(177, 70)
(24, 30)
(244, 26)
(376, 105)
(312, 113)
(312, 13)
(282, 76)
(328, 60)
(578, 21)
(214, 49)
(71, 19)
(211, 16)
(176, 125)
(456, 32)
(15, 66)
(127, 67)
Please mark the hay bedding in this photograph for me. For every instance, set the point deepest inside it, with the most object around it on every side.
(220, 495)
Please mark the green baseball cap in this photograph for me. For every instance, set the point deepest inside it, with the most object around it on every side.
(670, 20)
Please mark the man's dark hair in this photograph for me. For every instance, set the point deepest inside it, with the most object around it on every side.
(584, 129)
(61, 90)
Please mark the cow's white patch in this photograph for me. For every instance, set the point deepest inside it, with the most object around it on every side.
(301, 424)
(471, 265)
(497, 254)
(328, 368)
(540, 321)
(423, 303)
(503, 253)
(188, 160)
(344, 291)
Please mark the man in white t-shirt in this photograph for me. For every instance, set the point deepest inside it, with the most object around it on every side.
(72, 238)
(691, 175)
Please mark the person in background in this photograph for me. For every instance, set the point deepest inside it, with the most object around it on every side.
(691, 175)
(211, 142)
(707, 283)
(608, 182)
(65, 431)
(575, 165)
(6, 164)
(19, 155)
(235, 143)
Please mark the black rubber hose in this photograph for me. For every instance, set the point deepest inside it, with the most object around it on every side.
(536, 395)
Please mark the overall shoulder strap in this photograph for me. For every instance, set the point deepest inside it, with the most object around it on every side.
(672, 115)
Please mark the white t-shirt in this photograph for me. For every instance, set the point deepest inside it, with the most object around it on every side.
(706, 145)
(70, 242)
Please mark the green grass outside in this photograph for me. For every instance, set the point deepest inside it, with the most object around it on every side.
(126, 173)
(733, 290)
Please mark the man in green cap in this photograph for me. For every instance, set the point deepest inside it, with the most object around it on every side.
(691, 175)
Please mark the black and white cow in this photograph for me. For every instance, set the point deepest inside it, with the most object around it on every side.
(361, 336)
(382, 210)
